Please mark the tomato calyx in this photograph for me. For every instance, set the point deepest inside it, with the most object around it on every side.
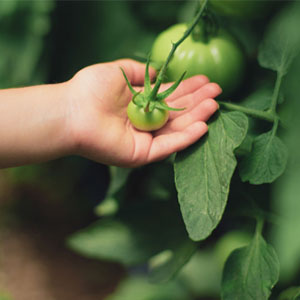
(150, 99)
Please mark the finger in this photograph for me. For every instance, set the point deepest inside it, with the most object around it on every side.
(202, 112)
(208, 91)
(166, 144)
(135, 71)
(187, 86)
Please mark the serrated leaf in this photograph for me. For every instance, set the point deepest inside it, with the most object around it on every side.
(133, 236)
(173, 262)
(267, 160)
(281, 43)
(203, 173)
(292, 293)
(250, 272)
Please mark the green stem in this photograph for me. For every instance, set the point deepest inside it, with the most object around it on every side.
(162, 71)
(259, 225)
(264, 115)
(275, 126)
(275, 95)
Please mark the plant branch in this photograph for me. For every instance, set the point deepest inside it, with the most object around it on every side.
(264, 115)
(162, 71)
(259, 225)
(275, 126)
(275, 95)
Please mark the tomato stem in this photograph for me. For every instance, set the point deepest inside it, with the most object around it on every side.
(275, 95)
(264, 115)
(259, 225)
(162, 71)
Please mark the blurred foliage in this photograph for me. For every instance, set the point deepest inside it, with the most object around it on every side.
(138, 288)
(286, 192)
(48, 41)
(23, 25)
(5, 296)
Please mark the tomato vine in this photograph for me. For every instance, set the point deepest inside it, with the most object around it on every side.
(144, 104)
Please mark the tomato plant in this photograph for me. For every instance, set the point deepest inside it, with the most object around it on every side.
(155, 219)
(147, 110)
(217, 55)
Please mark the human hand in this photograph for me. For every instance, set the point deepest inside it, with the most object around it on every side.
(102, 131)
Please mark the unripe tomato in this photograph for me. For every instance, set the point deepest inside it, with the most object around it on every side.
(219, 57)
(145, 120)
(239, 8)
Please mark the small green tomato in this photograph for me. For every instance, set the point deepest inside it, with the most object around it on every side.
(145, 120)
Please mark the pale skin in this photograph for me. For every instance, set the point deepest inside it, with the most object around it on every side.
(86, 116)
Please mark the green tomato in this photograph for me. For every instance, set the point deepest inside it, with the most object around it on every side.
(219, 58)
(145, 120)
(239, 8)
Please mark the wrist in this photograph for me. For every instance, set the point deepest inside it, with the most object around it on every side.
(75, 123)
(69, 142)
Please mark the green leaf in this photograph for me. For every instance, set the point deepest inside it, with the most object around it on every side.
(245, 147)
(267, 160)
(132, 237)
(167, 264)
(281, 43)
(250, 272)
(260, 99)
(292, 293)
(203, 173)
(138, 288)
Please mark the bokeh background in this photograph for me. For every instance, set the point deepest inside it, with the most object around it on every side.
(47, 41)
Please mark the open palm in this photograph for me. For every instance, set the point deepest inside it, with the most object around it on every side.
(103, 131)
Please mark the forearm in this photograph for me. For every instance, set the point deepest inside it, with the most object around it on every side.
(33, 124)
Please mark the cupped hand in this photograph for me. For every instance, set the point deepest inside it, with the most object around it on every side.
(102, 131)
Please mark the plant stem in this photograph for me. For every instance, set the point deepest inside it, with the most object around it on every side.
(162, 71)
(275, 95)
(264, 115)
(275, 126)
(259, 225)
